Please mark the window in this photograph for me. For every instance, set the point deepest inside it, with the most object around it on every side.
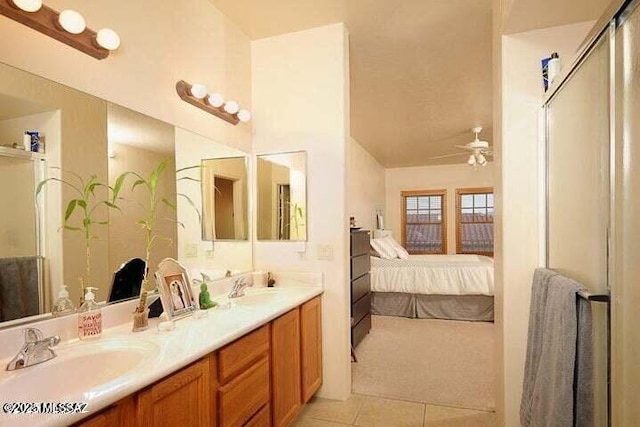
(424, 224)
(474, 218)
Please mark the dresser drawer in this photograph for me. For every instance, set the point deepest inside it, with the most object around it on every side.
(360, 243)
(245, 395)
(360, 287)
(360, 331)
(361, 308)
(241, 353)
(360, 265)
(261, 419)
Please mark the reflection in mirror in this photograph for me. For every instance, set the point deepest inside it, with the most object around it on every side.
(213, 259)
(282, 196)
(224, 199)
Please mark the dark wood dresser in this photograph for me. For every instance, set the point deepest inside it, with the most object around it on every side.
(360, 286)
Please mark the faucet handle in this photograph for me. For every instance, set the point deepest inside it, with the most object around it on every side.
(32, 335)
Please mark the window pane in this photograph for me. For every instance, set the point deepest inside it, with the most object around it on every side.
(423, 202)
(467, 200)
(424, 238)
(477, 238)
(435, 202)
(480, 200)
(490, 200)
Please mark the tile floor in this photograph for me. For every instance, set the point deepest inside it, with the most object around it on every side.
(369, 411)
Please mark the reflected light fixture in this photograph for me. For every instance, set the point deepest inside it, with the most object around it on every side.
(214, 103)
(68, 26)
(472, 160)
(481, 159)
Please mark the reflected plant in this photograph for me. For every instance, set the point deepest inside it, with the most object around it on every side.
(86, 203)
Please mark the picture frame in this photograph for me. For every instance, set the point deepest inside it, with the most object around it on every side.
(175, 289)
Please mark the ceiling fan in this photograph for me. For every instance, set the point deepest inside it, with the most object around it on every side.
(477, 150)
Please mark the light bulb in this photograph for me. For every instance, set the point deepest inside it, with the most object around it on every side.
(198, 91)
(244, 115)
(71, 21)
(472, 160)
(108, 39)
(482, 160)
(231, 107)
(28, 5)
(215, 100)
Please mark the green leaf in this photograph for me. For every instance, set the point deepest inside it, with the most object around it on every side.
(139, 182)
(86, 222)
(168, 203)
(188, 168)
(102, 222)
(112, 205)
(188, 199)
(68, 227)
(156, 174)
(82, 203)
(70, 208)
(119, 184)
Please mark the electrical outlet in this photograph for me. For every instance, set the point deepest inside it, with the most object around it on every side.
(209, 254)
(325, 252)
(191, 250)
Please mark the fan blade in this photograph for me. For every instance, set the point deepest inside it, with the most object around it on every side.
(447, 155)
(464, 147)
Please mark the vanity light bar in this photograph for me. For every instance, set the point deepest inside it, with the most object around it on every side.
(214, 104)
(46, 21)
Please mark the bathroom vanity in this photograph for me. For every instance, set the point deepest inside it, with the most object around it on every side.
(254, 364)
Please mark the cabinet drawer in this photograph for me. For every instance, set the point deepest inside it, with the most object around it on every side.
(241, 353)
(360, 287)
(361, 330)
(360, 243)
(261, 419)
(361, 308)
(245, 395)
(360, 265)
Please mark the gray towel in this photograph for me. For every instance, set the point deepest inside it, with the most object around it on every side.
(558, 378)
(19, 288)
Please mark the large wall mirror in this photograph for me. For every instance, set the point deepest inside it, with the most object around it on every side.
(83, 138)
(282, 196)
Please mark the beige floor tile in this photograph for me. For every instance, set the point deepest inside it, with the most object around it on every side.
(378, 412)
(310, 422)
(442, 416)
(338, 411)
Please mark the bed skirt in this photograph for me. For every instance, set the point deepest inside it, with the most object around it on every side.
(475, 308)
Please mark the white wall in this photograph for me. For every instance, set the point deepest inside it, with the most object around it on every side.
(365, 186)
(300, 101)
(518, 252)
(162, 42)
(441, 177)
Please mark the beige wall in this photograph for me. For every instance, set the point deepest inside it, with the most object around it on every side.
(365, 186)
(126, 237)
(300, 98)
(444, 177)
(18, 232)
(162, 42)
(519, 195)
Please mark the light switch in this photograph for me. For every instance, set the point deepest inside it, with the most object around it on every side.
(325, 252)
(209, 254)
(191, 250)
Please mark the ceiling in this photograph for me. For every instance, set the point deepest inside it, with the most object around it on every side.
(420, 69)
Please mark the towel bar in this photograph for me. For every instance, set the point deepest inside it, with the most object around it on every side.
(597, 297)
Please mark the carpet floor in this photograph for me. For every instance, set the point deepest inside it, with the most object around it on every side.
(440, 362)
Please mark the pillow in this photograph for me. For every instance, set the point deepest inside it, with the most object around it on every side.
(385, 251)
(399, 250)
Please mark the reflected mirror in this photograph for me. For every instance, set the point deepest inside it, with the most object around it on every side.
(79, 135)
(224, 199)
(282, 196)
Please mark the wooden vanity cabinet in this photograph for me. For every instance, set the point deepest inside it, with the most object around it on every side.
(311, 347)
(285, 368)
(122, 413)
(182, 399)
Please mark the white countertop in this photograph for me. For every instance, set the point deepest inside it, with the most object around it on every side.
(163, 353)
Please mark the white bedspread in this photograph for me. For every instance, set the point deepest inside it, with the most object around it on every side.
(433, 274)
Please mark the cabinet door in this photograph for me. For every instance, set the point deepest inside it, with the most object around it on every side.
(311, 347)
(182, 399)
(285, 368)
(123, 413)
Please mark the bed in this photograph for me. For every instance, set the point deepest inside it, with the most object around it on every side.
(456, 287)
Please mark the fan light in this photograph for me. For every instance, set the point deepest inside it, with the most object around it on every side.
(472, 160)
(482, 160)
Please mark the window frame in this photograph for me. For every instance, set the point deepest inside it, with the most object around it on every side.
(403, 215)
(464, 192)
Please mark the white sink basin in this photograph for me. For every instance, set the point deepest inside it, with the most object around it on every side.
(81, 368)
(257, 297)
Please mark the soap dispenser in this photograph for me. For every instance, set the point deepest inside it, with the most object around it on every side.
(89, 317)
(63, 305)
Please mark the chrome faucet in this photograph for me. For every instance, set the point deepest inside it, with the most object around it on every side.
(238, 288)
(36, 349)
